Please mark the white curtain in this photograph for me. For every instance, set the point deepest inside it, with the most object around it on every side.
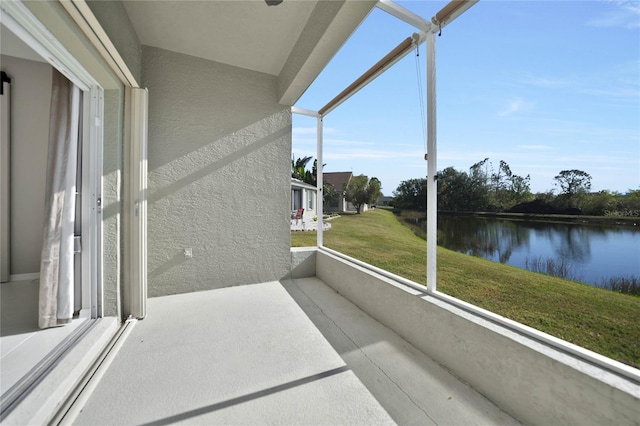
(56, 303)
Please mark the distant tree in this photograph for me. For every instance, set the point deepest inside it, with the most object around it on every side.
(520, 189)
(501, 186)
(629, 204)
(330, 195)
(574, 181)
(411, 194)
(299, 168)
(454, 190)
(479, 172)
(478, 190)
(314, 173)
(374, 190)
(600, 203)
(355, 191)
(359, 193)
(633, 193)
(572, 184)
(546, 197)
(499, 181)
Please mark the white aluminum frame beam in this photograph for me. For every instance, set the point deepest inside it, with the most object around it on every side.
(319, 169)
(399, 52)
(320, 184)
(403, 14)
(450, 12)
(445, 16)
(83, 16)
(135, 224)
(303, 111)
(432, 166)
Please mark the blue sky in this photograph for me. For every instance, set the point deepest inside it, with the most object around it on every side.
(543, 85)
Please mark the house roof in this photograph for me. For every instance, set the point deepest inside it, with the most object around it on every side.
(337, 179)
(293, 40)
(300, 184)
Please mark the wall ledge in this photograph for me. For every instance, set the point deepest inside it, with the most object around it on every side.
(535, 377)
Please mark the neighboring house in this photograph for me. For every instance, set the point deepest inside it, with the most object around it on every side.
(384, 200)
(304, 196)
(339, 181)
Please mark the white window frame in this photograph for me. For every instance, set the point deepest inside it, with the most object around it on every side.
(19, 20)
(310, 199)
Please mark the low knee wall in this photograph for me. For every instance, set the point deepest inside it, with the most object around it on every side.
(531, 380)
(303, 262)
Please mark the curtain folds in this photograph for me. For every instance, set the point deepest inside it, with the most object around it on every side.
(56, 301)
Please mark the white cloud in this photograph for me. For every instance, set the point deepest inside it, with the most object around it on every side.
(515, 106)
(465, 159)
(546, 82)
(300, 131)
(345, 142)
(622, 92)
(623, 14)
(303, 130)
(535, 147)
(368, 154)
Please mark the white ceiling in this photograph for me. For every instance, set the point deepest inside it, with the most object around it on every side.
(293, 40)
(248, 34)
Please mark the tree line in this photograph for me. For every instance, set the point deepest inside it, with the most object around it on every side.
(497, 189)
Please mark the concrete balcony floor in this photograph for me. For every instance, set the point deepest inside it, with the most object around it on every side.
(288, 352)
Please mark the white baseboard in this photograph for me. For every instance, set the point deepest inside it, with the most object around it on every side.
(25, 277)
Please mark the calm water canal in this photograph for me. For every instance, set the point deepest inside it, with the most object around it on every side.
(589, 253)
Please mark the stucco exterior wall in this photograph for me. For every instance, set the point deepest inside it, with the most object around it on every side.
(307, 193)
(303, 262)
(219, 175)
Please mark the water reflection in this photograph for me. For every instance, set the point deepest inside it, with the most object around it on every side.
(589, 253)
(481, 237)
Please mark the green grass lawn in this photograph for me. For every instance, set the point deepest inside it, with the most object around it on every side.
(600, 320)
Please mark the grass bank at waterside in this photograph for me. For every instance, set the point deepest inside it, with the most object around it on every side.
(603, 321)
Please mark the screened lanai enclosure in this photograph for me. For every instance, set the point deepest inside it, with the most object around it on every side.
(179, 118)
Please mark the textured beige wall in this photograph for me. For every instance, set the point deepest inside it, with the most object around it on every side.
(30, 103)
(219, 174)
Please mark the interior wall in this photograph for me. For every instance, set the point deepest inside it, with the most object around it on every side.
(30, 104)
(219, 174)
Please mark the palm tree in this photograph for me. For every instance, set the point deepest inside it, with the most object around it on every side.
(298, 168)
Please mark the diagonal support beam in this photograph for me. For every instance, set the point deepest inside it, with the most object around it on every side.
(450, 12)
(399, 52)
(403, 14)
